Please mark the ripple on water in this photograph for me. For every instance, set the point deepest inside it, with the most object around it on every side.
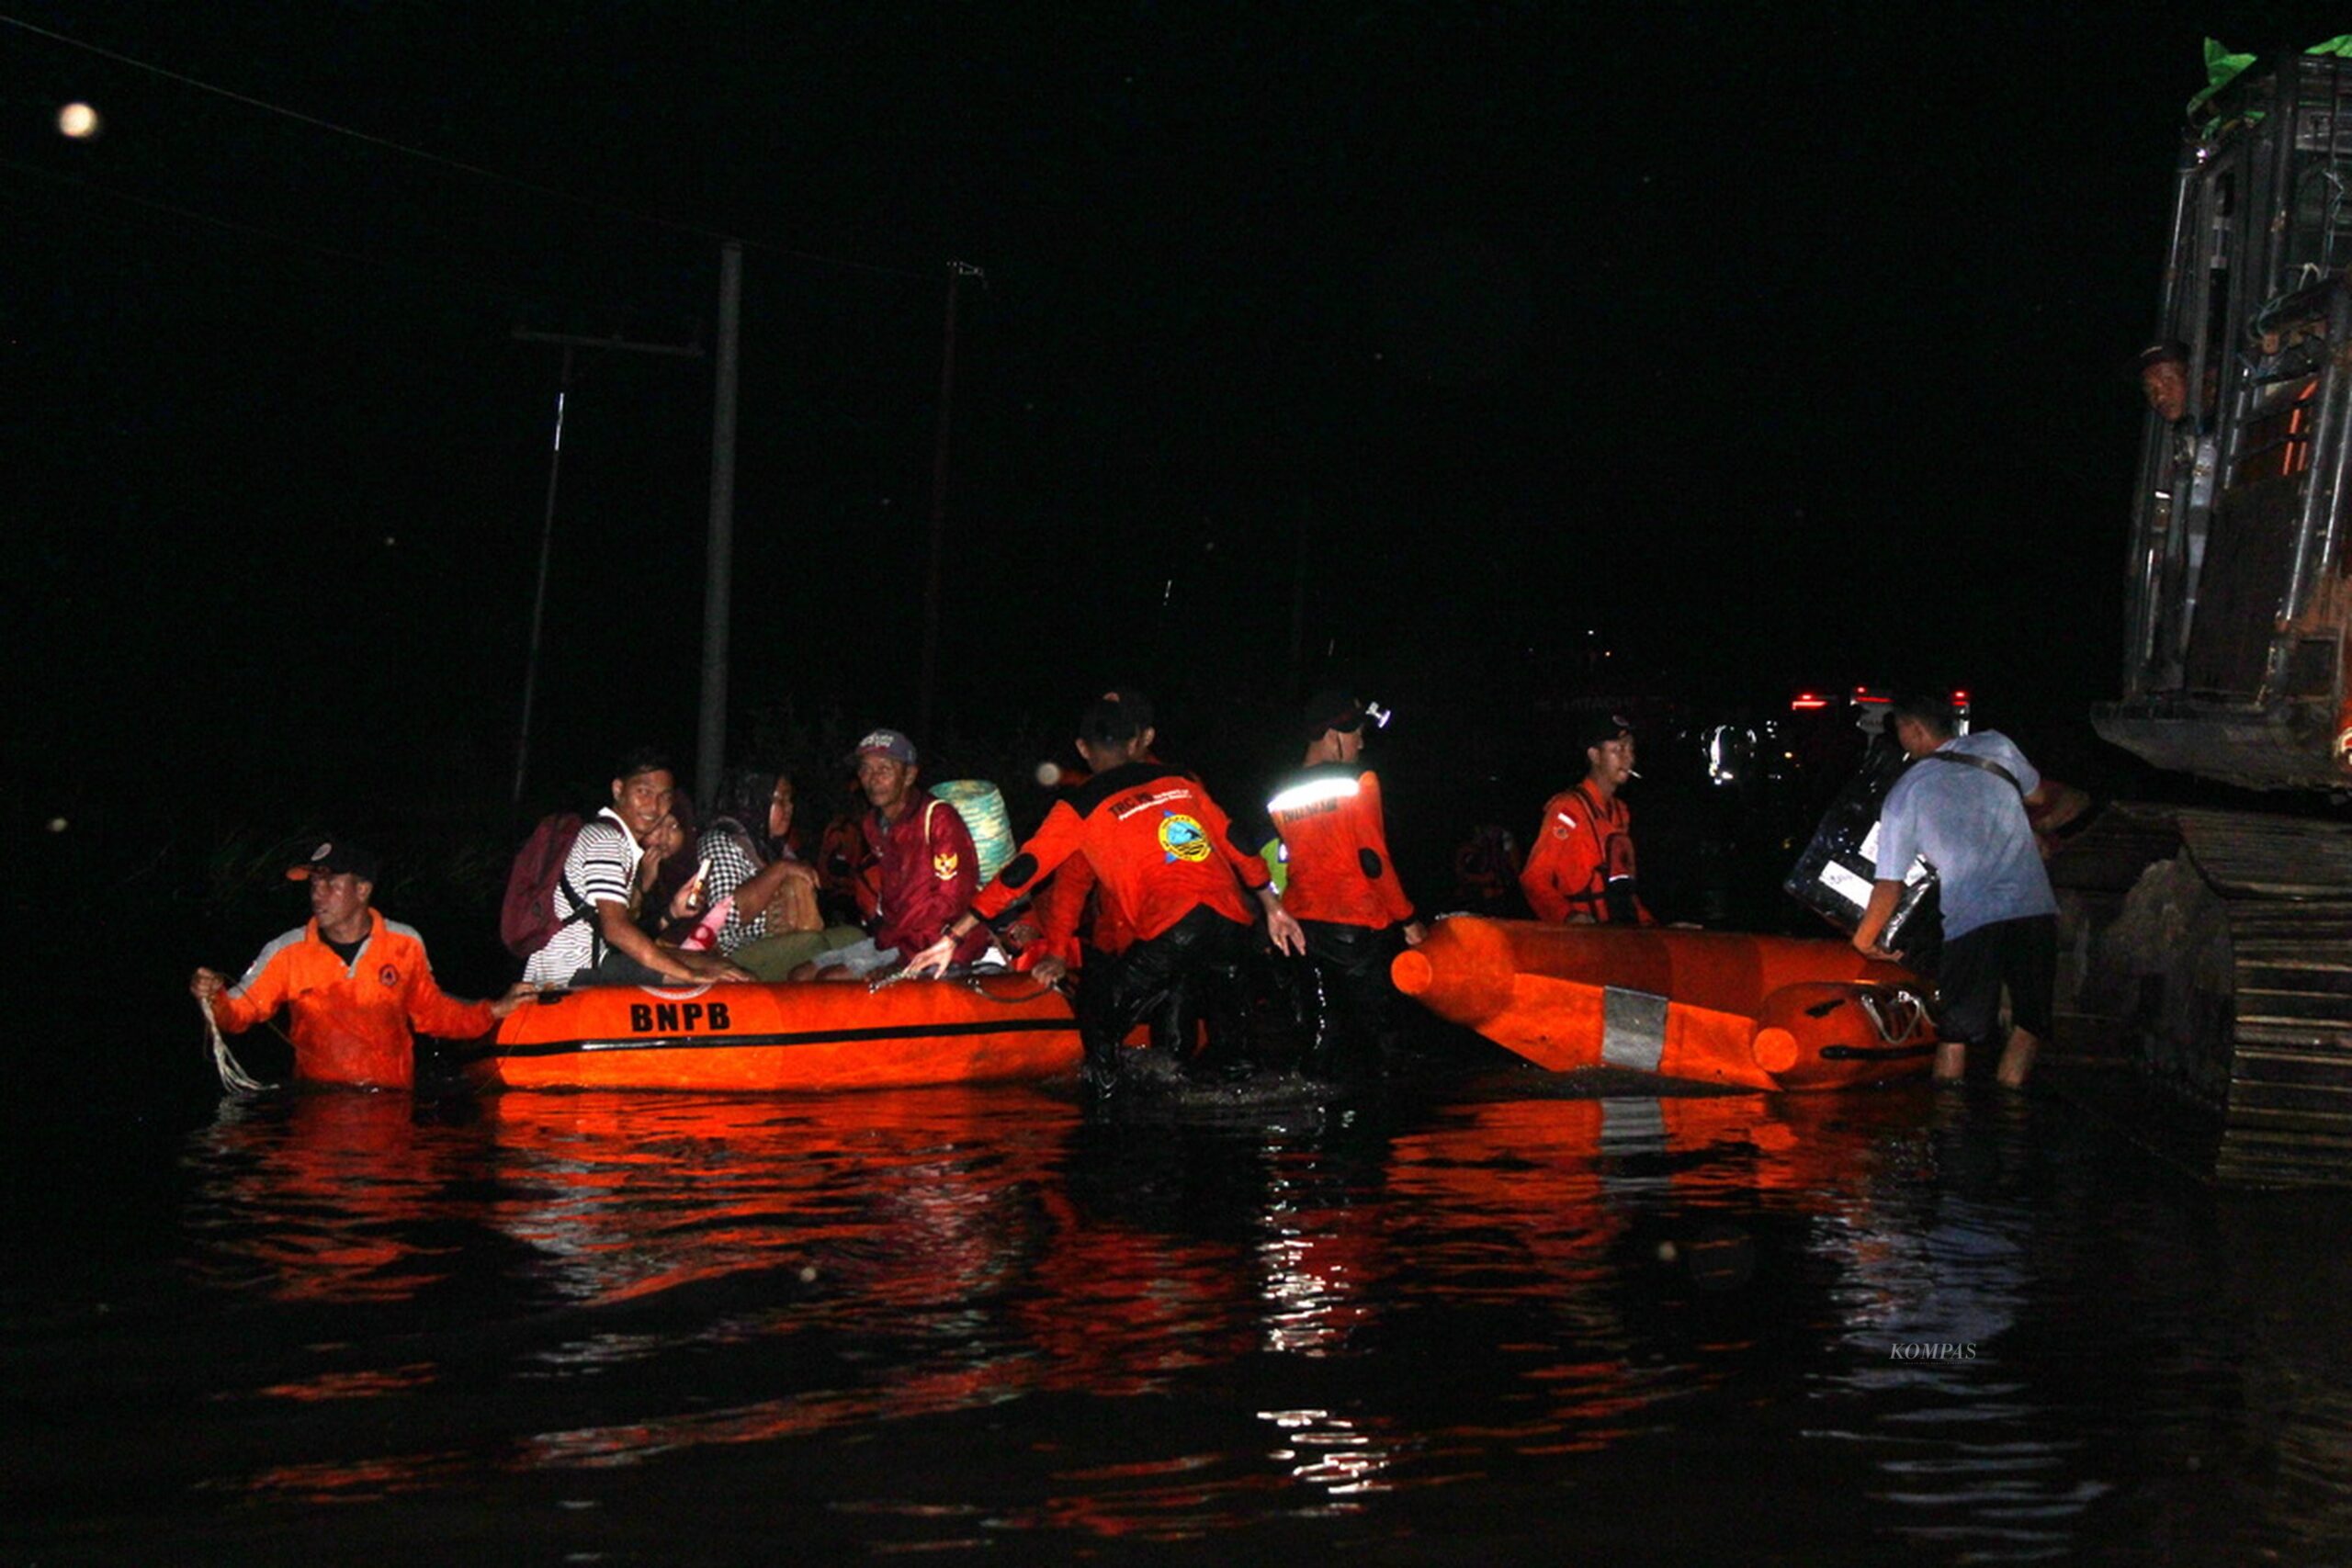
(654, 1327)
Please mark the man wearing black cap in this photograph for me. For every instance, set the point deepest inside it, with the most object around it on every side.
(2187, 484)
(2184, 493)
(2164, 379)
(355, 982)
(1581, 869)
(1342, 889)
(1169, 867)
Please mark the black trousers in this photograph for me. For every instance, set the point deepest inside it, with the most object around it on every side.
(1342, 995)
(614, 967)
(1190, 971)
(2021, 954)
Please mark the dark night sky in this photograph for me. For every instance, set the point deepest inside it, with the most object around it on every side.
(1768, 345)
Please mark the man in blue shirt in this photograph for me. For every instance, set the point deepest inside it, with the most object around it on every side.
(1961, 806)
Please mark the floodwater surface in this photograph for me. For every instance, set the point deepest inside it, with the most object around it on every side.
(1507, 1323)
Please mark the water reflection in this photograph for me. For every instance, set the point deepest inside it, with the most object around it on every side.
(328, 1197)
(904, 1199)
(949, 1318)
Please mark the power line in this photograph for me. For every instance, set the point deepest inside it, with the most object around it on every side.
(592, 203)
(505, 292)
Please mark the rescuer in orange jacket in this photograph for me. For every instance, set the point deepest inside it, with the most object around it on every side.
(1344, 890)
(1070, 923)
(355, 982)
(1168, 868)
(1581, 868)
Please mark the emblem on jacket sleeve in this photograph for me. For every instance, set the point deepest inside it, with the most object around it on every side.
(944, 864)
(389, 975)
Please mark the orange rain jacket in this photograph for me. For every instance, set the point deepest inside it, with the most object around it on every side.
(1579, 846)
(352, 1025)
(1160, 847)
(1336, 847)
(1068, 906)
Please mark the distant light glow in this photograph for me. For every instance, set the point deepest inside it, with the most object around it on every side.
(78, 120)
(1807, 701)
(1049, 773)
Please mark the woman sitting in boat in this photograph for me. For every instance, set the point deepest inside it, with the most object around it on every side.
(772, 924)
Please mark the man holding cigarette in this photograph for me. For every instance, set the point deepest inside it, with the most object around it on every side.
(1581, 869)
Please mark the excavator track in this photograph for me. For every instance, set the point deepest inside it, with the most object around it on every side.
(2217, 946)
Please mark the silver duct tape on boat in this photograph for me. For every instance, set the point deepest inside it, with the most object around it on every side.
(1633, 1028)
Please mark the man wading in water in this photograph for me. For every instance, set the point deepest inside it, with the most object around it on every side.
(1169, 867)
(356, 983)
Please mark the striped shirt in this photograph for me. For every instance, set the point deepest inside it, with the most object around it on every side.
(602, 868)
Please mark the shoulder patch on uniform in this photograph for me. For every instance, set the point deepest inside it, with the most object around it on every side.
(260, 960)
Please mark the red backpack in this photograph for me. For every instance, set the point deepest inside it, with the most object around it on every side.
(526, 917)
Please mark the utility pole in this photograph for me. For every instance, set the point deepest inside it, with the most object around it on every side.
(540, 594)
(570, 343)
(1298, 601)
(956, 272)
(718, 564)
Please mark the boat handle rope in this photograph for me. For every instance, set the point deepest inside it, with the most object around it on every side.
(1043, 987)
(1907, 1007)
(234, 1077)
(972, 984)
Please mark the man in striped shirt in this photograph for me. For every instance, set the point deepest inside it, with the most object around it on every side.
(599, 942)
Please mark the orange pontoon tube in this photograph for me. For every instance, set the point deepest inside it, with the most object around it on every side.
(1716, 1007)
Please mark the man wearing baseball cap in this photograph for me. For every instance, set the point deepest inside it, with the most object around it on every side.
(2182, 502)
(928, 867)
(2163, 378)
(1581, 869)
(1170, 868)
(1343, 887)
(359, 987)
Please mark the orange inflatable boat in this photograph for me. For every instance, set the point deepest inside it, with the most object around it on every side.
(1717, 1007)
(816, 1035)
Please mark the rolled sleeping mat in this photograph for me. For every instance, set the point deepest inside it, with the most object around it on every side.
(981, 805)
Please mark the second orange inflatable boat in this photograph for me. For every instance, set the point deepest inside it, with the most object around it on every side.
(1716, 1006)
